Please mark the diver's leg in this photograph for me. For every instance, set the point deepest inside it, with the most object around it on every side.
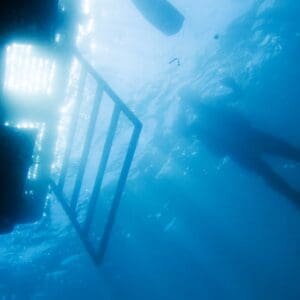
(277, 183)
(278, 147)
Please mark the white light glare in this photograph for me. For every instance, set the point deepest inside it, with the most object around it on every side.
(28, 72)
(86, 7)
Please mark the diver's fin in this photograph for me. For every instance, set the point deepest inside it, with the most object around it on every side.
(162, 14)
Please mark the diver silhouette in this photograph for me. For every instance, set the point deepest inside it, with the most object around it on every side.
(227, 132)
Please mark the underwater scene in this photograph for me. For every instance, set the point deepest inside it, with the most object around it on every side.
(195, 144)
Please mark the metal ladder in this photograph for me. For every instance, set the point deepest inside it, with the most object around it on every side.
(95, 245)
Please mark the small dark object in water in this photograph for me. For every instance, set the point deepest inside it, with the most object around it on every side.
(175, 60)
(16, 151)
(162, 14)
(216, 36)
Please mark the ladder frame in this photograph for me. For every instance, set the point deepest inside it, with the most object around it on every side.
(70, 205)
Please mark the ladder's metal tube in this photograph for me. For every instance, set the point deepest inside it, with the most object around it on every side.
(84, 239)
(118, 194)
(73, 125)
(102, 167)
(87, 146)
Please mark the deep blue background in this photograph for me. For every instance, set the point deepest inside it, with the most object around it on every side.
(191, 225)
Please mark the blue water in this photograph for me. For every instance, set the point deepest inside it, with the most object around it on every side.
(192, 224)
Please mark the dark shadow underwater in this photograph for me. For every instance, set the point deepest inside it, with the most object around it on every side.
(226, 132)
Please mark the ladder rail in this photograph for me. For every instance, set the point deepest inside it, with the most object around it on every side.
(118, 194)
(73, 125)
(87, 146)
(102, 168)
